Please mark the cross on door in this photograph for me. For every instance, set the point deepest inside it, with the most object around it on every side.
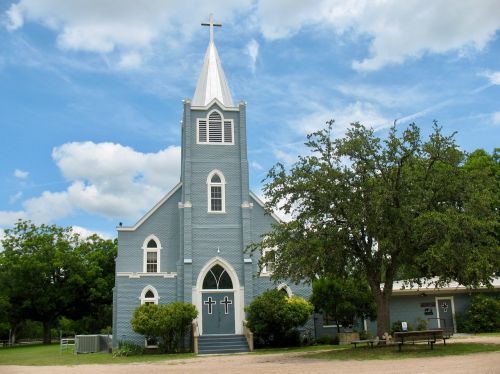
(226, 303)
(209, 302)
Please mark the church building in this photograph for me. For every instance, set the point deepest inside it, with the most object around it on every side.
(191, 245)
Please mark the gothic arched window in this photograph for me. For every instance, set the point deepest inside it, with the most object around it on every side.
(214, 129)
(216, 189)
(151, 261)
(217, 278)
(149, 295)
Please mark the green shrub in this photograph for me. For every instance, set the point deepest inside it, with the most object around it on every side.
(483, 315)
(421, 324)
(396, 327)
(328, 339)
(168, 323)
(364, 335)
(273, 316)
(127, 348)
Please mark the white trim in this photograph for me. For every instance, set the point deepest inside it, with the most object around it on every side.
(143, 297)
(154, 209)
(436, 299)
(284, 286)
(137, 275)
(212, 102)
(222, 184)
(147, 250)
(239, 293)
(223, 133)
(261, 203)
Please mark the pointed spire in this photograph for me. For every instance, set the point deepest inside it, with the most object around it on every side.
(212, 81)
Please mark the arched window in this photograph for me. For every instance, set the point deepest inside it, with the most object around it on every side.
(283, 287)
(214, 129)
(217, 278)
(149, 295)
(216, 192)
(151, 261)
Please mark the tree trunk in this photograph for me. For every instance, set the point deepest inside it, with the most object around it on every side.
(383, 313)
(47, 338)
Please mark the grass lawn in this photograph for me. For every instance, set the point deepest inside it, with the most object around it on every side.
(409, 351)
(44, 355)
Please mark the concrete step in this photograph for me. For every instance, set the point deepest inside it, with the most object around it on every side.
(212, 344)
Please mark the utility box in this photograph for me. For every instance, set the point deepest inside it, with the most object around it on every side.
(91, 343)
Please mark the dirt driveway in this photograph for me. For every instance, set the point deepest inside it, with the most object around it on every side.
(289, 363)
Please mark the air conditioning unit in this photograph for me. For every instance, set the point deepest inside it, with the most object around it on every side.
(87, 344)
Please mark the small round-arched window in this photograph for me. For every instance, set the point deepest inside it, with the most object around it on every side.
(217, 279)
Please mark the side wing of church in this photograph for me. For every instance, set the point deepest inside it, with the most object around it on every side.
(191, 246)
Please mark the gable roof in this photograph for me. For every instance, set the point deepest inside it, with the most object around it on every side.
(261, 203)
(152, 210)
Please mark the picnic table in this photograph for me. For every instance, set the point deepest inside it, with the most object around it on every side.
(429, 336)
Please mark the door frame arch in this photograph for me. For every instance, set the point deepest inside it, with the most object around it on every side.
(239, 293)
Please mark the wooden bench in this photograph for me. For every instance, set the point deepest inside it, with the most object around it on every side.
(429, 336)
(368, 342)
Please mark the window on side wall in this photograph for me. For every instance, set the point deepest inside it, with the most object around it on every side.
(149, 296)
(151, 248)
(268, 266)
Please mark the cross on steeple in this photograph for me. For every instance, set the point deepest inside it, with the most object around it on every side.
(211, 24)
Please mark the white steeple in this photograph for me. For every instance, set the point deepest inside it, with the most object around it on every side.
(212, 82)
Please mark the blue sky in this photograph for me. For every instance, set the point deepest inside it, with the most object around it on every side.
(91, 91)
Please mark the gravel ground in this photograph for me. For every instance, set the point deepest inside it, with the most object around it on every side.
(291, 363)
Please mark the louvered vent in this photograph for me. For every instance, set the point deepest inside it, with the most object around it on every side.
(215, 128)
(228, 132)
(202, 131)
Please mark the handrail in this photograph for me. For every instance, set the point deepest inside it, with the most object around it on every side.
(248, 335)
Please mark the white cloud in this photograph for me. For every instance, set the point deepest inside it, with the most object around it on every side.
(363, 112)
(253, 52)
(104, 26)
(85, 233)
(254, 164)
(106, 179)
(15, 197)
(14, 18)
(49, 206)
(21, 174)
(496, 118)
(116, 181)
(494, 77)
(130, 60)
(397, 30)
(8, 218)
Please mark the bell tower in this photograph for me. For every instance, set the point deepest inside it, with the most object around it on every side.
(214, 210)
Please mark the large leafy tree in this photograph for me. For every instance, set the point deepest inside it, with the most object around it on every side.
(48, 272)
(382, 208)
